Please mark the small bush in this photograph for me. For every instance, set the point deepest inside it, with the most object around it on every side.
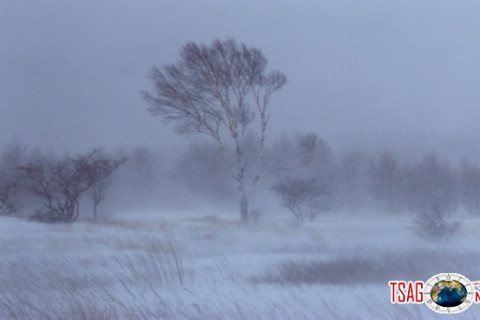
(305, 198)
(432, 224)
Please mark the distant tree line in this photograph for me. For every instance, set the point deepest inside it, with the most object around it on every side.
(301, 172)
(308, 178)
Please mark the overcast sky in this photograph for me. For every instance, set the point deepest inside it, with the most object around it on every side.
(397, 74)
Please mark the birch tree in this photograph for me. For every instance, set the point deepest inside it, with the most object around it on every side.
(222, 91)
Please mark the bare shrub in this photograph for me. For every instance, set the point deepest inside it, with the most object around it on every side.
(305, 198)
(61, 182)
(431, 223)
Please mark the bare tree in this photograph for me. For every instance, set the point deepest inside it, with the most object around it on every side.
(219, 90)
(289, 153)
(98, 194)
(470, 186)
(303, 197)
(61, 182)
(13, 156)
(433, 195)
(351, 179)
(433, 185)
(8, 192)
(209, 165)
(384, 184)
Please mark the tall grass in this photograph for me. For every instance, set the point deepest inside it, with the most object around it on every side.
(378, 268)
(132, 272)
(99, 287)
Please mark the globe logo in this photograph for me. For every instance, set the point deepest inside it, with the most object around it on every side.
(448, 293)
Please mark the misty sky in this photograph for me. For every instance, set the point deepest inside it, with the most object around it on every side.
(395, 74)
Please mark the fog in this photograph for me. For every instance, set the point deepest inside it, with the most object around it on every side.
(369, 171)
(361, 75)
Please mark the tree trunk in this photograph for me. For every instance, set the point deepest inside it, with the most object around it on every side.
(95, 205)
(244, 209)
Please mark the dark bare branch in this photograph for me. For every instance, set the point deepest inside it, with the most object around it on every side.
(218, 90)
(62, 182)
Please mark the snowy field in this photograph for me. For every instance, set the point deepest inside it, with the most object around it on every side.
(192, 266)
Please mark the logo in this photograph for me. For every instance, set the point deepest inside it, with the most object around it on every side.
(442, 293)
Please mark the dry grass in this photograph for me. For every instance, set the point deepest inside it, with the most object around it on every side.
(415, 264)
(126, 271)
(98, 287)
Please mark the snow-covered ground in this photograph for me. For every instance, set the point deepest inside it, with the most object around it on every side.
(187, 265)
